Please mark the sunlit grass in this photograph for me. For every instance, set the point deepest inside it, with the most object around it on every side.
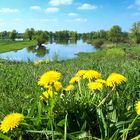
(6, 46)
(79, 112)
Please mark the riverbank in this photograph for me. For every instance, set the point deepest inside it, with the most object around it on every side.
(6, 46)
(19, 92)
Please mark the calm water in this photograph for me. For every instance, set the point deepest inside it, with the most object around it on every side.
(49, 51)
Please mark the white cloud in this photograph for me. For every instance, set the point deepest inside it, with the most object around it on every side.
(130, 7)
(44, 20)
(135, 5)
(47, 20)
(35, 7)
(72, 14)
(81, 19)
(52, 10)
(8, 10)
(137, 2)
(87, 6)
(60, 2)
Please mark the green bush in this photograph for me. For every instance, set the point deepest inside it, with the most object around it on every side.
(98, 43)
(115, 52)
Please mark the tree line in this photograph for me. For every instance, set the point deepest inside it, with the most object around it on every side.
(115, 35)
(40, 36)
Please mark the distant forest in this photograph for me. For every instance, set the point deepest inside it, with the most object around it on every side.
(114, 34)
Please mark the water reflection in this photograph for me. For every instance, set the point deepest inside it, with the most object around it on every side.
(62, 41)
(73, 41)
(63, 49)
(65, 41)
(40, 51)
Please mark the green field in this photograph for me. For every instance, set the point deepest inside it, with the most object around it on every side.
(6, 46)
(75, 114)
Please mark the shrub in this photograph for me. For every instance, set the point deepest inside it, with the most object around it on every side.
(98, 43)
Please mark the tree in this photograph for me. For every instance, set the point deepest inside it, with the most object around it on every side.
(29, 33)
(89, 36)
(73, 35)
(125, 37)
(4, 35)
(41, 37)
(62, 35)
(135, 32)
(115, 34)
(13, 35)
(102, 34)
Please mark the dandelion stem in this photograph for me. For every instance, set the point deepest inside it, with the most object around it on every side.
(79, 85)
(108, 95)
(65, 128)
(129, 127)
(52, 129)
(89, 80)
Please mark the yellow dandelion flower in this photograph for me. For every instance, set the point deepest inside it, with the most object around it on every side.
(44, 95)
(91, 74)
(49, 87)
(38, 62)
(58, 86)
(73, 80)
(115, 79)
(137, 107)
(95, 86)
(81, 73)
(69, 88)
(47, 94)
(100, 81)
(48, 78)
(50, 93)
(11, 121)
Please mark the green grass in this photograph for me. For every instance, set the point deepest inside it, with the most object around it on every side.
(6, 46)
(19, 93)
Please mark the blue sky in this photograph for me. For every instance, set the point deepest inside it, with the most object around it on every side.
(76, 15)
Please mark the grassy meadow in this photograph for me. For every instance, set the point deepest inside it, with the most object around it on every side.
(8, 45)
(75, 114)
